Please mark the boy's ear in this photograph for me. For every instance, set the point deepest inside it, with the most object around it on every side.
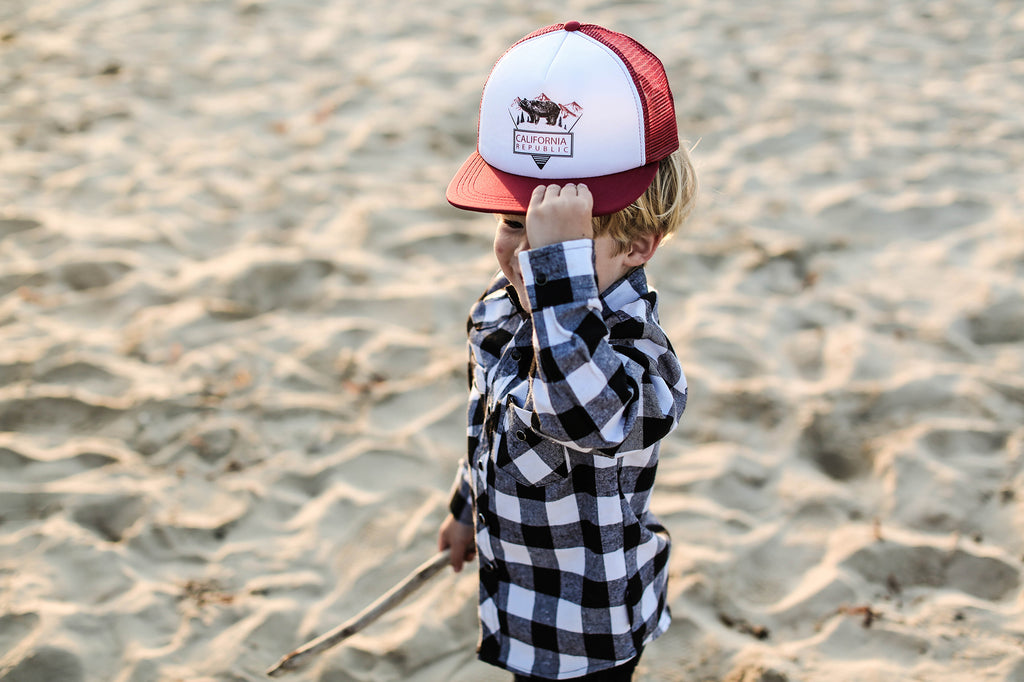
(641, 249)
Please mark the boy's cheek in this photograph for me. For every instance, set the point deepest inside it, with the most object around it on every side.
(502, 247)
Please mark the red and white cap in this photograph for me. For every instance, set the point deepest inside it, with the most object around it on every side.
(569, 103)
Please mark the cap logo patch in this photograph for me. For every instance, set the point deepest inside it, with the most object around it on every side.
(543, 127)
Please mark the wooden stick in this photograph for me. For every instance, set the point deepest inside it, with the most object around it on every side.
(388, 601)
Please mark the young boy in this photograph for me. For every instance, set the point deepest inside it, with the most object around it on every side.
(573, 383)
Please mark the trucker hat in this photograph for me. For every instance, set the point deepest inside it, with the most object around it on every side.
(569, 103)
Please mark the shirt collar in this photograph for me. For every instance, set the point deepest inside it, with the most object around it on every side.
(626, 290)
(513, 296)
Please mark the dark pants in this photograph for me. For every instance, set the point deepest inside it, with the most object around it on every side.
(622, 673)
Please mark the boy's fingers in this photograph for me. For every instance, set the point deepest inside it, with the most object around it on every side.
(536, 197)
(584, 193)
(458, 557)
(578, 190)
(552, 191)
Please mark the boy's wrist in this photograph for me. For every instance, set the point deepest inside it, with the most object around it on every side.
(559, 273)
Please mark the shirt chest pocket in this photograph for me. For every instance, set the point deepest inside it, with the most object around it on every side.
(525, 455)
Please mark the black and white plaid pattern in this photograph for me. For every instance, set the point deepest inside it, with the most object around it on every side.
(566, 411)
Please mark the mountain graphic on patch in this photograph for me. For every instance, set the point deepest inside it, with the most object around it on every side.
(542, 127)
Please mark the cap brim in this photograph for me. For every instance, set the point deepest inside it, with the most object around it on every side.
(479, 187)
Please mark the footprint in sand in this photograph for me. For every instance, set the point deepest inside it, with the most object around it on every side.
(907, 566)
(831, 441)
(14, 627)
(87, 375)
(265, 286)
(1000, 321)
(47, 664)
(956, 471)
(84, 275)
(42, 414)
(10, 226)
(111, 516)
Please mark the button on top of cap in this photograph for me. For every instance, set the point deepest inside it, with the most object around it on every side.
(572, 26)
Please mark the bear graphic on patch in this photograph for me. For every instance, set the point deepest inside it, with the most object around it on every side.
(538, 108)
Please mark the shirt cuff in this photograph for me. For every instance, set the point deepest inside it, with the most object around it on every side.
(559, 273)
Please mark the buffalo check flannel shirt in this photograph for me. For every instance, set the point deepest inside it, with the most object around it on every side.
(566, 412)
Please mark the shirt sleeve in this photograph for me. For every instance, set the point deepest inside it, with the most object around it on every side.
(461, 500)
(592, 389)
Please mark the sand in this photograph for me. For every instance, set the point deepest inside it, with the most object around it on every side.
(232, 354)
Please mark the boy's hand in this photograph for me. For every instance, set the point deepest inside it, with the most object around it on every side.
(460, 538)
(558, 214)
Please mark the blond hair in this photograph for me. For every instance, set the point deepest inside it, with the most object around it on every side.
(660, 210)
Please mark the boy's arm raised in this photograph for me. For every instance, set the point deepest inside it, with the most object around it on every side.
(595, 388)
